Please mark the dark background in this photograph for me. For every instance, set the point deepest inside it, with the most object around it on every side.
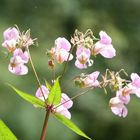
(49, 19)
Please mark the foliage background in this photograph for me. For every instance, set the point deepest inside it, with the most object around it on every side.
(49, 19)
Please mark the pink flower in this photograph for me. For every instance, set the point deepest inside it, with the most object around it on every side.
(118, 103)
(122, 98)
(15, 42)
(104, 38)
(21, 40)
(60, 52)
(65, 104)
(135, 80)
(135, 84)
(10, 45)
(104, 46)
(82, 54)
(124, 94)
(91, 80)
(63, 111)
(62, 55)
(117, 107)
(23, 55)
(66, 101)
(132, 88)
(39, 93)
(11, 33)
(17, 66)
(80, 65)
(83, 58)
(62, 43)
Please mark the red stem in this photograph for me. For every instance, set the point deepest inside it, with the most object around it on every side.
(43, 133)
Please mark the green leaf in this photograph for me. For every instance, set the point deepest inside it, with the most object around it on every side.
(5, 132)
(29, 98)
(71, 125)
(54, 97)
(48, 85)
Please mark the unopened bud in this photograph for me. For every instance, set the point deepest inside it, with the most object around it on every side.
(51, 53)
(114, 87)
(51, 64)
(79, 83)
(88, 42)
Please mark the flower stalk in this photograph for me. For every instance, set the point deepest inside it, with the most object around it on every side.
(37, 78)
(66, 64)
(45, 125)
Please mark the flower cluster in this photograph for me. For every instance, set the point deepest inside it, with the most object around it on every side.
(88, 80)
(65, 104)
(85, 47)
(122, 97)
(124, 88)
(17, 44)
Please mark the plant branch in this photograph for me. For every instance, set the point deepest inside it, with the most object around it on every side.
(66, 64)
(74, 97)
(43, 133)
(38, 81)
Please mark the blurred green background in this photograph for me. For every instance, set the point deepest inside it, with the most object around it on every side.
(49, 19)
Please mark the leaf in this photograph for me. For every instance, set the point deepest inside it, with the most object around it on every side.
(54, 97)
(5, 132)
(29, 98)
(48, 85)
(71, 125)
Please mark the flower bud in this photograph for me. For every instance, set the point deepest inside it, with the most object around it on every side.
(88, 42)
(51, 64)
(79, 82)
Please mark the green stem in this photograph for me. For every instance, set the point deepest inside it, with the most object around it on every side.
(43, 133)
(66, 64)
(74, 97)
(53, 75)
(38, 81)
(80, 94)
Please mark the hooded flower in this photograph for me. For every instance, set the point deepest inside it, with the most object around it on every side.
(62, 43)
(62, 55)
(135, 80)
(118, 107)
(17, 66)
(60, 52)
(83, 58)
(11, 33)
(17, 62)
(23, 55)
(66, 104)
(135, 84)
(10, 45)
(91, 80)
(104, 46)
(124, 94)
(118, 103)
(39, 93)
